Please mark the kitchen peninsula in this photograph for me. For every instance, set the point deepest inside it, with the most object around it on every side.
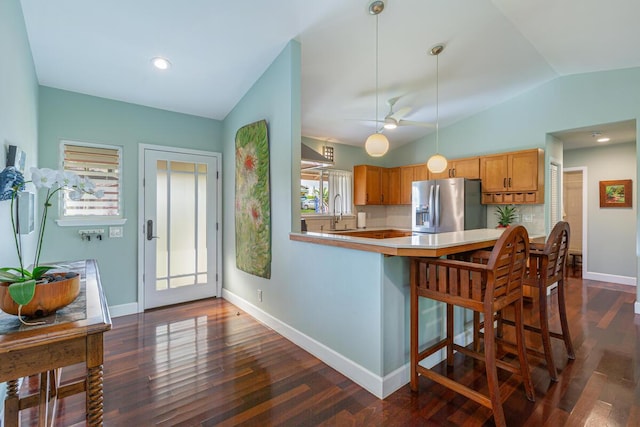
(415, 244)
(363, 297)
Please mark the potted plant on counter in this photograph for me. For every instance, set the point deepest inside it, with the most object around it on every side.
(36, 292)
(506, 215)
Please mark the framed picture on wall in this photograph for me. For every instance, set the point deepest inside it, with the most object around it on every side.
(16, 157)
(616, 194)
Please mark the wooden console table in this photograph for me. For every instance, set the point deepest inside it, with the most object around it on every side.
(70, 336)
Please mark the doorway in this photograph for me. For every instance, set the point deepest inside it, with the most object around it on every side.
(574, 204)
(180, 211)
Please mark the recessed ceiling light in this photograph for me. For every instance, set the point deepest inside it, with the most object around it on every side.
(605, 139)
(161, 63)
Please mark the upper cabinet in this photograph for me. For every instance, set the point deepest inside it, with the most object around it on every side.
(391, 186)
(367, 185)
(408, 174)
(516, 177)
(460, 168)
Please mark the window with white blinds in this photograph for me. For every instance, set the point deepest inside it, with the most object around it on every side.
(103, 165)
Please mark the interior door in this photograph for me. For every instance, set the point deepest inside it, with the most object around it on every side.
(179, 227)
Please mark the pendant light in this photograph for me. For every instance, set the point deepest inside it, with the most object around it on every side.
(437, 163)
(377, 144)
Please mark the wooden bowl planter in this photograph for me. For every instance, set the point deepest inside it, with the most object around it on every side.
(48, 297)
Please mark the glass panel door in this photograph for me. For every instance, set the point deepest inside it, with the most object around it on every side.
(180, 227)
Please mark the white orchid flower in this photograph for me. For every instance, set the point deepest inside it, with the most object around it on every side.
(66, 179)
(75, 195)
(44, 177)
(85, 184)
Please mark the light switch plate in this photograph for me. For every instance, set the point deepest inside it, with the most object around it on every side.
(115, 232)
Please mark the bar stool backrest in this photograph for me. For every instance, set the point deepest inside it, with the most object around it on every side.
(508, 262)
(557, 250)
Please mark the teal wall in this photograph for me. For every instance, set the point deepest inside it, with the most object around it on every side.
(18, 113)
(330, 294)
(74, 116)
(606, 225)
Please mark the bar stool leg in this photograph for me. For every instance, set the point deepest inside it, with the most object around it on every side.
(544, 332)
(492, 372)
(449, 335)
(522, 352)
(476, 331)
(563, 320)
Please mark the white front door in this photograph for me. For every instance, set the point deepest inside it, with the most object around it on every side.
(179, 226)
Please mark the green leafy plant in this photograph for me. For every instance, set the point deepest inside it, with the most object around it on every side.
(22, 280)
(506, 215)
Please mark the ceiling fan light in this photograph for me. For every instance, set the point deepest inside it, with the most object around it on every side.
(161, 63)
(377, 145)
(390, 123)
(437, 163)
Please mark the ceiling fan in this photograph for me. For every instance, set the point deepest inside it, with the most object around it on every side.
(394, 118)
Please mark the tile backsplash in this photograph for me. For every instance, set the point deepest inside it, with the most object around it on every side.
(530, 216)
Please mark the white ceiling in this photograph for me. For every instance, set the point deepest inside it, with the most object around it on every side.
(494, 51)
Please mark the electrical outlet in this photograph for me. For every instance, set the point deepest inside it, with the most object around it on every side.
(115, 232)
(260, 295)
(527, 218)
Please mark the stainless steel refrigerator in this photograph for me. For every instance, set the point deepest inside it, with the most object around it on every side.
(451, 204)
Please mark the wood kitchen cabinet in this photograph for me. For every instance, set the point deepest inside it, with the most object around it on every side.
(460, 168)
(367, 185)
(391, 186)
(374, 185)
(408, 174)
(515, 177)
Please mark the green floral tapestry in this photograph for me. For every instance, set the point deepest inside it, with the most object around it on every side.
(253, 200)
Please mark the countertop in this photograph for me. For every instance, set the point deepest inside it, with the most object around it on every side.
(418, 244)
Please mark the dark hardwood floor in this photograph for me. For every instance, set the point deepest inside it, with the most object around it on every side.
(208, 363)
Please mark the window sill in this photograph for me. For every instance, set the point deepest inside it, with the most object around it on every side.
(90, 222)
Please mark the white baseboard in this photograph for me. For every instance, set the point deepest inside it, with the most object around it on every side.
(374, 384)
(612, 278)
(123, 309)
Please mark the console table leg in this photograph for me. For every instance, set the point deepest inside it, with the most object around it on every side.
(11, 404)
(94, 396)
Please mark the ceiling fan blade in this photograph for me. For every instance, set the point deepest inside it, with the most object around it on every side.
(412, 123)
(392, 101)
(400, 113)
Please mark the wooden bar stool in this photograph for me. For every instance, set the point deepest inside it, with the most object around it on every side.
(486, 288)
(547, 267)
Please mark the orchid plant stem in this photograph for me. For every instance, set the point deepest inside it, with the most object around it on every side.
(43, 221)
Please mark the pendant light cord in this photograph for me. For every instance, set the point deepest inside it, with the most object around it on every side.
(437, 104)
(376, 121)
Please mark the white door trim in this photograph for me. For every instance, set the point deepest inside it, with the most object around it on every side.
(141, 219)
(585, 216)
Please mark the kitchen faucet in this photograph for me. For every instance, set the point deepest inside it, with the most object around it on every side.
(334, 219)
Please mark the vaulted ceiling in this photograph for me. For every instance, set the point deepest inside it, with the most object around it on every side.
(494, 51)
